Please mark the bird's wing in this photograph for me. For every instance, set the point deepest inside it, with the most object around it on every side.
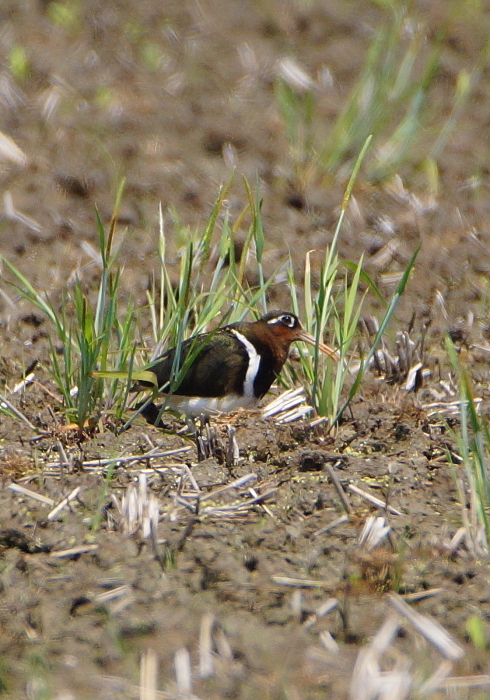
(213, 365)
(216, 365)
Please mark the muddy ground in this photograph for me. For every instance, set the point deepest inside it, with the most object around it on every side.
(172, 96)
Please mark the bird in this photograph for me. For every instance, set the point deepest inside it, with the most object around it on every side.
(231, 367)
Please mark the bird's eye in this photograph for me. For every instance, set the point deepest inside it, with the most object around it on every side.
(288, 320)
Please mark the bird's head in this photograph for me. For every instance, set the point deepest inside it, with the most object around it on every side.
(285, 327)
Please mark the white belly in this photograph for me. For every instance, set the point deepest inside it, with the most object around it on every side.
(194, 406)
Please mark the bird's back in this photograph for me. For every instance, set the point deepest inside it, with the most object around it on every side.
(217, 365)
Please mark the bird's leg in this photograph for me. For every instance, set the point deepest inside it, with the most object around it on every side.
(191, 425)
(202, 443)
(150, 413)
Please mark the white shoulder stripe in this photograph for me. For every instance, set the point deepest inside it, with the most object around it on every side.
(253, 364)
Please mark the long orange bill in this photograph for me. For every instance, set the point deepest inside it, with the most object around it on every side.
(307, 338)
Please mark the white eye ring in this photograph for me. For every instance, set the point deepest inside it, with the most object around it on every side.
(287, 319)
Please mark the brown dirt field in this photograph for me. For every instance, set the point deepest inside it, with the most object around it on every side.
(96, 106)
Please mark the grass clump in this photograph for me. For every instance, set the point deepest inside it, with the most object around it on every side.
(473, 441)
(212, 289)
(84, 335)
(389, 100)
(338, 303)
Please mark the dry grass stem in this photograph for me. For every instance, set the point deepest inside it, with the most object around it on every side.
(206, 666)
(295, 414)
(299, 582)
(15, 215)
(71, 497)
(11, 152)
(287, 400)
(457, 539)
(338, 487)
(335, 523)
(236, 484)
(368, 682)
(191, 478)
(8, 406)
(232, 451)
(373, 532)
(293, 74)
(28, 379)
(113, 594)
(428, 628)
(148, 675)
(183, 674)
(320, 612)
(139, 509)
(448, 408)
(74, 551)
(372, 499)
(465, 682)
(266, 509)
(100, 463)
(288, 407)
(223, 646)
(422, 595)
(329, 642)
(31, 494)
(439, 676)
(239, 506)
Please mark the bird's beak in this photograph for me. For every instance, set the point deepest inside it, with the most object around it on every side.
(307, 338)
